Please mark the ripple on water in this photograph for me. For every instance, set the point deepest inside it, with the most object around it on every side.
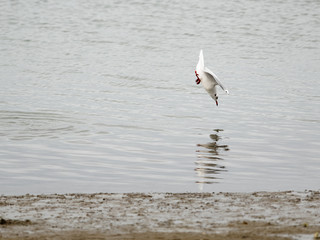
(21, 125)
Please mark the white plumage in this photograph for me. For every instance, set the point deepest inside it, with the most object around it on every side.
(208, 79)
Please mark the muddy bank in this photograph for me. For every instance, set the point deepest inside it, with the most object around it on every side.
(260, 215)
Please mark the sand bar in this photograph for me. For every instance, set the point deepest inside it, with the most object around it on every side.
(259, 215)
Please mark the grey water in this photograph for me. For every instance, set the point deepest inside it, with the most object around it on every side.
(100, 96)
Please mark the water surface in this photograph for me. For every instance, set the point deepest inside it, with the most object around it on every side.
(100, 96)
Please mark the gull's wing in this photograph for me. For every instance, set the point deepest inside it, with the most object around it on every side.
(214, 78)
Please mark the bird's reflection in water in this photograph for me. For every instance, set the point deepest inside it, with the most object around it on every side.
(209, 163)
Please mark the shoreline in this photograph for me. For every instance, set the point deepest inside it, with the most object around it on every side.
(257, 215)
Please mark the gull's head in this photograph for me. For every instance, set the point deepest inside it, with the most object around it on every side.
(215, 98)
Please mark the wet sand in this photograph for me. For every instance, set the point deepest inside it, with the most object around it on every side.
(259, 215)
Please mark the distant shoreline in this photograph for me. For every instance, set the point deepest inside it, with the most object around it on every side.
(258, 215)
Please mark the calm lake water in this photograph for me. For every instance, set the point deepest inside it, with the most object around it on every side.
(100, 96)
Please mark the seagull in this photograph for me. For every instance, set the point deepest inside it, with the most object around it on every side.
(208, 78)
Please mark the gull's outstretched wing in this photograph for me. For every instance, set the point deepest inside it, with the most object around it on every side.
(215, 79)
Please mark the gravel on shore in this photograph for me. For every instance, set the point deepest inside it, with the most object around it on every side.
(258, 215)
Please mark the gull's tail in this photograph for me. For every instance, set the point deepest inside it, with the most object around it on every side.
(200, 65)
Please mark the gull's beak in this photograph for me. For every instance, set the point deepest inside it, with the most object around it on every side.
(217, 103)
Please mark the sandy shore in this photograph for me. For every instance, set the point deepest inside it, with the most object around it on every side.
(260, 215)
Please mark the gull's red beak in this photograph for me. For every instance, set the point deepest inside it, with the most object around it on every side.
(217, 103)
